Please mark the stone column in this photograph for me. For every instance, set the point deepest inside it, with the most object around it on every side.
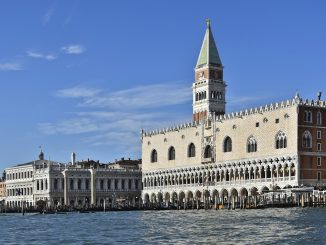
(93, 186)
(297, 171)
(65, 187)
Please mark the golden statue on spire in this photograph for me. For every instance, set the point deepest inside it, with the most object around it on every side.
(208, 22)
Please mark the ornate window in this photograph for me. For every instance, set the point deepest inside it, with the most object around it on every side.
(154, 156)
(171, 153)
(208, 152)
(306, 140)
(251, 144)
(115, 184)
(191, 150)
(136, 184)
(281, 140)
(79, 183)
(55, 184)
(319, 121)
(227, 146)
(307, 116)
(71, 184)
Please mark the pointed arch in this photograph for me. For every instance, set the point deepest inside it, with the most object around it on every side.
(280, 140)
(251, 144)
(306, 139)
(307, 116)
(208, 152)
(171, 153)
(154, 156)
(191, 150)
(227, 145)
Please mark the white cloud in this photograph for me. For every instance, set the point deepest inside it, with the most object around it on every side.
(77, 92)
(38, 55)
(120, 131)
(10, 66)
(71, 126)
(48, 15)
(73, 49)
(120, 115)
(150, 96)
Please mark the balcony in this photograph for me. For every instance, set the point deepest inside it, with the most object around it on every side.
(237, 182)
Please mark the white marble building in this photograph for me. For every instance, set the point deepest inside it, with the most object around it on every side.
(77, 184)
(240, 154)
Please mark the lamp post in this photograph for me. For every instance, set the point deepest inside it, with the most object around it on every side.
(136, 202)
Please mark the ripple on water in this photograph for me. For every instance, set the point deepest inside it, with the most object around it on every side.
(270, 226)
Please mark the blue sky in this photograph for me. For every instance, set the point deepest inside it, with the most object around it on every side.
(87, 76)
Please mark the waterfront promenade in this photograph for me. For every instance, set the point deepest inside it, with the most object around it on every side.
(296, 197)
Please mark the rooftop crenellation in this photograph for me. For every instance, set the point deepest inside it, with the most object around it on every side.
(240, 114)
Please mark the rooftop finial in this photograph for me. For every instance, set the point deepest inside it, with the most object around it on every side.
(41, 154)
(208, 23)
(297, 95)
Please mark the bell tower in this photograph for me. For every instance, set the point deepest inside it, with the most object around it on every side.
(209, 86)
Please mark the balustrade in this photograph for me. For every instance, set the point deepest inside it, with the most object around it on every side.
(216, 183)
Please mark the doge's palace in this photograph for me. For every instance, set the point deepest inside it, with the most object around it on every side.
(221, 155)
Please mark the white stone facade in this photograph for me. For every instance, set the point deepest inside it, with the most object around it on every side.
(222, 173)
(220, 155)
(71, 185)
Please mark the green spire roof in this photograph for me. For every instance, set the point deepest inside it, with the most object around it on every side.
(208, 52)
